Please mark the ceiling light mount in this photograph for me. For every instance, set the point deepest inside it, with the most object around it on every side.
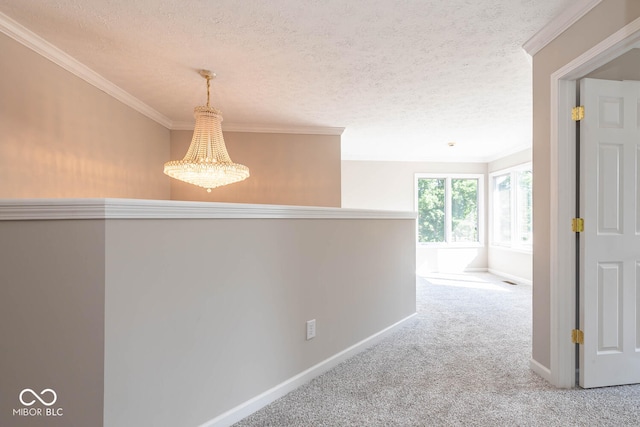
(207, 163)
(207, 74)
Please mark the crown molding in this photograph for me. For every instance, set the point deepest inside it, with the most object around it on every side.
(558, 25)
(31, 40)
(239, 127)
(62, 209)
(42, 47)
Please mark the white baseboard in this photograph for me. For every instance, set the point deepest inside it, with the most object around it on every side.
(252, 405)
(510, 277)
(543, 371)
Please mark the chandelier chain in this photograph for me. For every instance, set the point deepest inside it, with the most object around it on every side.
(208, 89)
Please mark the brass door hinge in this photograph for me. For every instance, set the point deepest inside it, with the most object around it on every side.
(577, 113)
(577, 225)
(577, 336)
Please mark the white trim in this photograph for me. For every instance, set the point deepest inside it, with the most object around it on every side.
(56, 209)
(511, 277)
(610, 48)
(539, 369)
(558, 25)
(562, 193)
(42, 47)
(252, 405)
(562, 196)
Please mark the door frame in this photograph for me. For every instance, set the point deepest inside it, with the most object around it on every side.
(562, 372)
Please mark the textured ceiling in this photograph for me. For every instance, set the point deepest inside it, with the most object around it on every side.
(403, 77)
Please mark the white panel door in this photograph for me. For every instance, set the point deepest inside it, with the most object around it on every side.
(610, 244)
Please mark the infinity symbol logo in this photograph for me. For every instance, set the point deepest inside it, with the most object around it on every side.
(34, 394)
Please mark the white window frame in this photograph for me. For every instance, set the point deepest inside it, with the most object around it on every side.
(447, 220)
(514, 244)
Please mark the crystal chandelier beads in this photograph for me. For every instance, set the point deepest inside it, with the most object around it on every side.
(207, 163)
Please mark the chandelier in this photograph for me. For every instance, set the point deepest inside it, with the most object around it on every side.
(207, 163)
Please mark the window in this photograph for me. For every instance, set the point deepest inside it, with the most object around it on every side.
(449, 209)
(511, 213)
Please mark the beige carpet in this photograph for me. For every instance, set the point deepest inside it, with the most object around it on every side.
(463, 361)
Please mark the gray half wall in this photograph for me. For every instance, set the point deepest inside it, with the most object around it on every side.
(163, 313)
(203, 315)
(52, 321)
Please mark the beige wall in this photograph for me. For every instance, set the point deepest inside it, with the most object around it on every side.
(391, 186)
(62, 137)
(286, 169)
(599, 23)
(512, 160)
(52, 320)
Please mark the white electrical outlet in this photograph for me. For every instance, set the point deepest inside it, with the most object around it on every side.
(311, 328)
